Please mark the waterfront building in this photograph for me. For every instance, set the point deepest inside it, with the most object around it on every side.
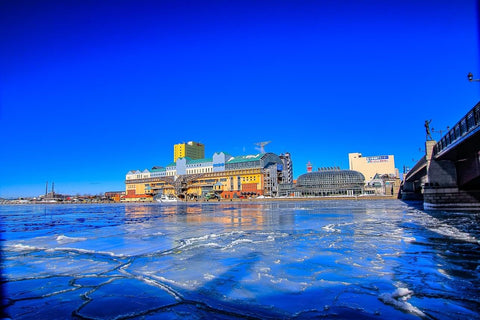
(143, 189)
(261, 160)
(227, 184)
(171, 169)
(286, 189)
(241, 183)
(133, 174)
(145, 174)
(271, 165)
(192, 150)
(330, 183)
(287, 167)
(192, 176)
(114, 195)
(383, 184)
(137, 174)
(373, 165)
(191, 166)
(219, 159)
(228, 177)
(157, 172)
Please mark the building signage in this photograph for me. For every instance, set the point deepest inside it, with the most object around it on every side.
(377, 159)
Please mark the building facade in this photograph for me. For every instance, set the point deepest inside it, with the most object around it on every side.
(157, 172)
(115, 196)
(371, 166)
(192, 176)
(241, 183)
(223, 175)
(287, 167)
(192, 150)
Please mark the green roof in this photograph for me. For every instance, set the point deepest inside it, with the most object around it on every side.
(173, 164)
(247, 158)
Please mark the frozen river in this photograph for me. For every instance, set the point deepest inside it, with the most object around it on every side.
(257, 260)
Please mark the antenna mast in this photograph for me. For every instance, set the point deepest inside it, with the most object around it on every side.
(262, 146)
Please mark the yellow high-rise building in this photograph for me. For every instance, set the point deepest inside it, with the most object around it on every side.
(193, 150)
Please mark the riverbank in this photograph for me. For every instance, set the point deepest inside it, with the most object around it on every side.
(352, 198)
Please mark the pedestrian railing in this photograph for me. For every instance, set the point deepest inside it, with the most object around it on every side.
(466, 125)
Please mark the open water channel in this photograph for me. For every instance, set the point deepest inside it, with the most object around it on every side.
(256, 260)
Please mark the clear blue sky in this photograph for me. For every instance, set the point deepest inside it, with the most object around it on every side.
(92, 89)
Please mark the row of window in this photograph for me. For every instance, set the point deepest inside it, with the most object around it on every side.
(171, 171)
(195, 165)
(200, 170)
(138, 176)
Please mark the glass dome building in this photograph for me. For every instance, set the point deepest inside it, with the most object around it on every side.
(330, 183)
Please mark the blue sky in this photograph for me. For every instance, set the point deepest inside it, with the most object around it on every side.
(92, 89)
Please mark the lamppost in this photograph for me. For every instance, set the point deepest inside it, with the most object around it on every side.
(470, 77)
(442, 131)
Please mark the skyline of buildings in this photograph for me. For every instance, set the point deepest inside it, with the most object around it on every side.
(259, 179)
(191, 177)
(263, 174)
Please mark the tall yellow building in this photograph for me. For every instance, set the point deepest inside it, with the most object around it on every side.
(193, 150)
(370, 166)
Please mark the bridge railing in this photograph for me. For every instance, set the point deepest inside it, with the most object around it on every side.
(416, 168)
(467, 124)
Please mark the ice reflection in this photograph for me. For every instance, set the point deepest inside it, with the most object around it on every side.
(251, 215)
(334, 259)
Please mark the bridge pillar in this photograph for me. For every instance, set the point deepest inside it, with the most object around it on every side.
(440, 173)
(441, 190)
(412, 190)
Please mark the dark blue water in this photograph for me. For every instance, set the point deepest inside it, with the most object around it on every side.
(272, 260)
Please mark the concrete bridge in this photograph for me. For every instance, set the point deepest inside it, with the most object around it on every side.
(448, 177)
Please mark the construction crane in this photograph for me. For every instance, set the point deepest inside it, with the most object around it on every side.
(262, 146)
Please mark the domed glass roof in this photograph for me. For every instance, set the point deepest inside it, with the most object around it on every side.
(332, 177)
(331, 182)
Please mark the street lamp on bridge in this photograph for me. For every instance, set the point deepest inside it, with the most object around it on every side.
(442, 131)
(470, 77)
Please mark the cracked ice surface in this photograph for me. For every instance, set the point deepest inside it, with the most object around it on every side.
(267, 260)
